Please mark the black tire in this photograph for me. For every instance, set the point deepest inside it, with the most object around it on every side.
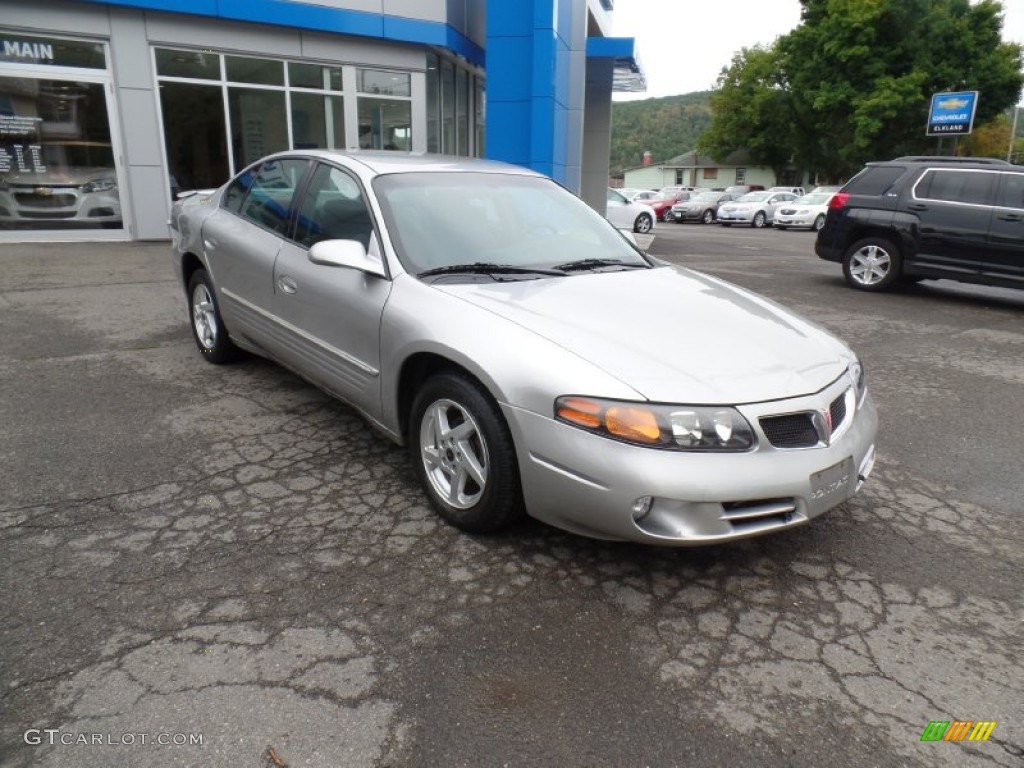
(872, 264)
(819, 222)
(666, 215)
(781, 228)
(499, 503)
(759, 221)
(708, 217)
(643, 224)
(215, 346)
(725, 223)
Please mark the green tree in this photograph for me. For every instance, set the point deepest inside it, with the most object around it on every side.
(853, 81)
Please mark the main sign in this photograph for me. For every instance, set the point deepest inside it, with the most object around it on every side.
(952, 114)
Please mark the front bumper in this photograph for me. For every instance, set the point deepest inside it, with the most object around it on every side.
(794, 221)
(588, 484)
(58, 206)
(726, 217)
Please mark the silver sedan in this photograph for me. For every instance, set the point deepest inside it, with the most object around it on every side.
(531, 358)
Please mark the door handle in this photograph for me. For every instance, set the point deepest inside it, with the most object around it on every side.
(1011, 217)
(287, 285)
(917, 207)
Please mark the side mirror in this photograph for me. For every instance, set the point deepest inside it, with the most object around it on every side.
(345, 253)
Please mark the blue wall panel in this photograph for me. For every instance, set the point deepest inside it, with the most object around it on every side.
(320, 18)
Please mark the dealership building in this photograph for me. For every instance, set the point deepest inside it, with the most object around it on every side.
(107, 109)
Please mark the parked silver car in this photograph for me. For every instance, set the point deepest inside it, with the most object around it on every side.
(754, 209)
(532, 359)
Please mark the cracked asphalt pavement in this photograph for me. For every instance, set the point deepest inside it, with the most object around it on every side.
(224, 552)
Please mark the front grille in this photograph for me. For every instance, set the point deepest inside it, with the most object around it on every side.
(33, 200)
(838, 411)
(794, 430)
(787, 211)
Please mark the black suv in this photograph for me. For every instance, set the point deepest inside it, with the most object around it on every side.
(912, 218)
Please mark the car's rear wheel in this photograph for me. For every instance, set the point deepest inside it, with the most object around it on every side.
(819, 222)
(643, 224)
(872, 264)
(708, 217)
(759, 220)
(666, 215)
(208, 329)
(464, 456)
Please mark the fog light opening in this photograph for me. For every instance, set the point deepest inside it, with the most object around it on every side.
(641, 508)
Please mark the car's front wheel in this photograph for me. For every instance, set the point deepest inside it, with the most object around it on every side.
(666, 215)
(208, 329)
(464, 456)
(708, 217)
(819, 222)
(759, 220)
(872, 264)
(643, 224)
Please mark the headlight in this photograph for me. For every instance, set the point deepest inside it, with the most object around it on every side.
(105, 184)
(860, 382)
(673, 427)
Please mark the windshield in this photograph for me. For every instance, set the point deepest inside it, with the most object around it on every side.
(444, 219)
(707, 197)
(815, 198)
(753, 197)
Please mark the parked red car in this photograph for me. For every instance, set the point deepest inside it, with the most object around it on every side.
(669, 196)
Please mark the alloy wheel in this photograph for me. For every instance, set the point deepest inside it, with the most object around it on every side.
(454, 453)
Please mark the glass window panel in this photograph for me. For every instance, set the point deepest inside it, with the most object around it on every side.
(56, 160)
(447, 107)
(384, 83)
(204, 66)
(17, 48)
(258, 124)
(462, 111)
(385, 124)
(235, 194)
(242, 69)
(433, 103)
(481, 117)
(318, 122)
(314, 76)
(333, 209)
(195, 134)
(270, 197)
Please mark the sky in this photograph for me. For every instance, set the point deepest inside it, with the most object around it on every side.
(684, 44)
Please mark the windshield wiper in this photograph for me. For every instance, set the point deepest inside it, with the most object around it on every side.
(569, 266)
(488, 268)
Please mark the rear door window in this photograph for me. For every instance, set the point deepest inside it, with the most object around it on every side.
(957, 186)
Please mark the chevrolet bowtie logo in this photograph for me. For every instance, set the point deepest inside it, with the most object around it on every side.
(43, 191)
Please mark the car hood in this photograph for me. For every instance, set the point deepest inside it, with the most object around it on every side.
(671, 334)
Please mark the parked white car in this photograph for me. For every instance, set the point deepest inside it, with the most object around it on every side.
(637, 195)
(625, 214)
(807, 212)
(754, 209)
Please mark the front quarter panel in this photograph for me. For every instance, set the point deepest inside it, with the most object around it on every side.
(518, 367)
(186, 225)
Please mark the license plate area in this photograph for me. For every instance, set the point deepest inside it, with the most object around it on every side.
(831, 486)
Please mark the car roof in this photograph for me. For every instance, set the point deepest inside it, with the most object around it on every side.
(384, 162)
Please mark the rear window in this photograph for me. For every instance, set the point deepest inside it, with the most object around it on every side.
(874, 180)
